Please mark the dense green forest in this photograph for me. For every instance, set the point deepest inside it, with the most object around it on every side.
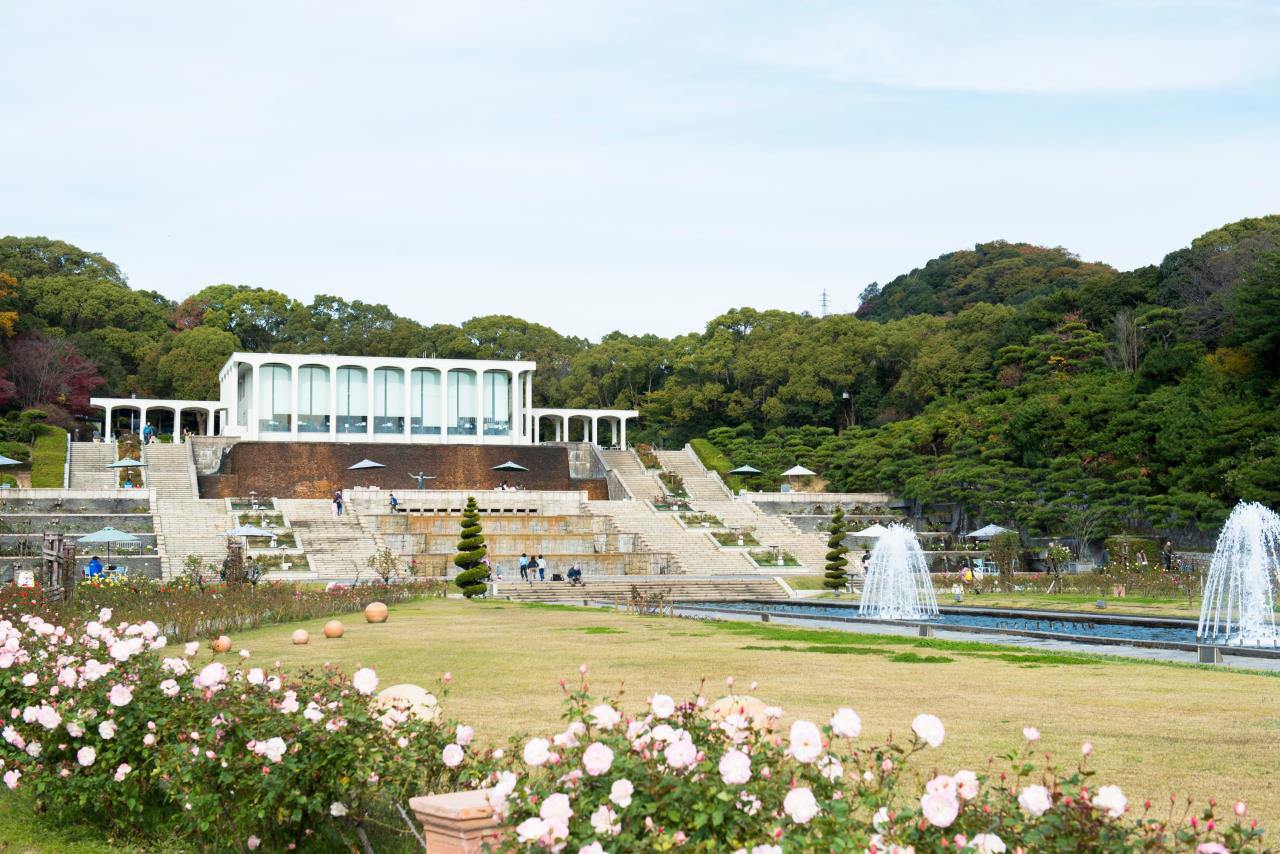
(1014, 381)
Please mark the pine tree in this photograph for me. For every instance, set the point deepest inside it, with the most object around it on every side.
(835, 576)
(471, 550)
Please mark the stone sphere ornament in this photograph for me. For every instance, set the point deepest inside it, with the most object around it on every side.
(222, 644)
(375, 612)
(334, 629)
(301, 637)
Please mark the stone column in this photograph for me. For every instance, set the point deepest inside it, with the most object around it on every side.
(407, 385)
(622, 419)
(295, 380)
(142, 418)
(106, 423)
(595, 429)
(254, 394)
(515, 428)
(368, 409)
(444, 405)
(177, 424)
(479, 405)
(333, 402)
(528, 401)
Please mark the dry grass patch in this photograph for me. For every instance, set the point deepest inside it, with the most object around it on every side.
(1157, 729)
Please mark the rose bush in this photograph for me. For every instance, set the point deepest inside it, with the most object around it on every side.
(728, 776)
(108, 723)
(186, 610)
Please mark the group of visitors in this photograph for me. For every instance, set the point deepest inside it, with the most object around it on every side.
(508, 487)
(535, 569)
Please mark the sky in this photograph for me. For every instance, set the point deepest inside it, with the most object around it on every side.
(633, 166)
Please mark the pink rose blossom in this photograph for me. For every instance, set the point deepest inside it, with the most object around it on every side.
(452, 755)
(735, 767)
(800, 805)
(597, 759)
(365, 680)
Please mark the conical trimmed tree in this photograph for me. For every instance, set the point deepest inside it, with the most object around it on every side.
(835, 575)
(471, 550)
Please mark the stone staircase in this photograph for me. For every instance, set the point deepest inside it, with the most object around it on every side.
(697, 481)
(186, 526)
(809, 548)
(338, 547)
(170, 470)
(89, 461)
(694, 551)
(706, 495)
(680, 588)
(641, 482)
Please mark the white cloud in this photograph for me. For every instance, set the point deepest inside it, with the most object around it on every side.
(998, 46)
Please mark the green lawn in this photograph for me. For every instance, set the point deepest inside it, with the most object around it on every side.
(1156, 728)
(48, 457)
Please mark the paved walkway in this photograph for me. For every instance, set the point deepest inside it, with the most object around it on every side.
(1241, 662)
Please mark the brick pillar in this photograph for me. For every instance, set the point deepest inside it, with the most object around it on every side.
(457, 822)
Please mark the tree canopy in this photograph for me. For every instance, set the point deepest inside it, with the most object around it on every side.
(1012, 381)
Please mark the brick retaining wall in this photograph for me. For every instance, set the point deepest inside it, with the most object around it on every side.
(317, 469)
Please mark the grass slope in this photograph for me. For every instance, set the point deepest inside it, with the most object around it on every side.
(1157, 728)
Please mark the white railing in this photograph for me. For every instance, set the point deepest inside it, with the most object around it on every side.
(66, 465)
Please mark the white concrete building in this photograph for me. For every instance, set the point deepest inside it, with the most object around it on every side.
(321, 398)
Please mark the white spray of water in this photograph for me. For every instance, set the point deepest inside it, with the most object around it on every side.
(1239, 595)
(898, 586)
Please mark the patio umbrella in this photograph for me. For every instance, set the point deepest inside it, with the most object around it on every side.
(127, 463)
(987, 532)
(874, 532)
(798, 471)
(365, 464)
(108, 535)
(745, 470)
(5, 461)
(509, 466)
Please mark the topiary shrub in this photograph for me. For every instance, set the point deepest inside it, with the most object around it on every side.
(836, 562)
(471, 552)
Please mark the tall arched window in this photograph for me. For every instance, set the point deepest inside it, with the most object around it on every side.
(497, 403)
(353, 400)
(424, 402)
(313, 399)
(388, 400)
(275, 399)
(462, 403)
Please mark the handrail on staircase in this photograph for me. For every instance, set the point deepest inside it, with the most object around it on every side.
(66, 465)
(711, 473)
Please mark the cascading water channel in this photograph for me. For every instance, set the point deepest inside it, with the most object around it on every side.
(1239, 595)
(898, 586)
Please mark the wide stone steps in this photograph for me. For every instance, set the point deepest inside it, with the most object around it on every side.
(89, 461)
(620, 589)
(170, 471)
(693, 549)
(640, 481)
(338, 547)
(191, 526)
(697, 482)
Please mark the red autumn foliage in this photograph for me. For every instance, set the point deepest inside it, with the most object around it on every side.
(50, 370)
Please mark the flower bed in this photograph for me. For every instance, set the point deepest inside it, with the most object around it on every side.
(726, 776)
(765, 559)
(106, 725)
(730, 538)
(186, 611)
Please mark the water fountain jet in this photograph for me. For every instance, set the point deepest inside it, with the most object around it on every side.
(1239, 595)
(898, 586)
